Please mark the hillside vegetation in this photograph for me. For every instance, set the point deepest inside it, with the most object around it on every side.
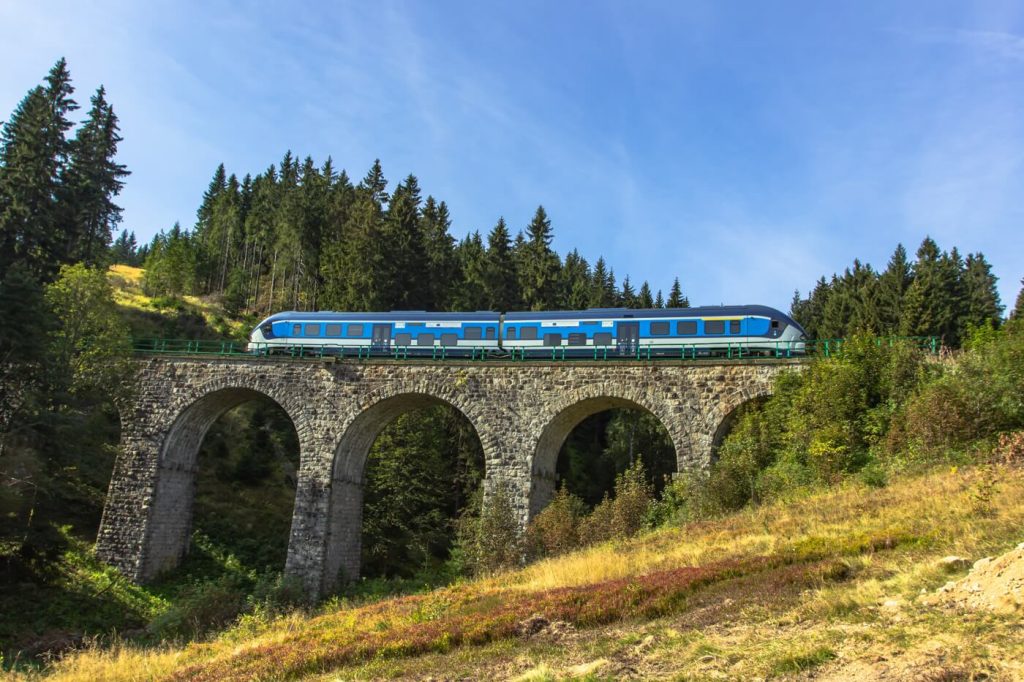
(828, 582)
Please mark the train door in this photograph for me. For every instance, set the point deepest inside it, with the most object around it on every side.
(381, 340)
(627, 337)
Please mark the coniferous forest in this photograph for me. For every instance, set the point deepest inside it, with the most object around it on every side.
(305, 235)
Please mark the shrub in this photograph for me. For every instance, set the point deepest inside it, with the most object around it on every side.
(490, 540)
(200, 609)
(624, 515)
(556, 530)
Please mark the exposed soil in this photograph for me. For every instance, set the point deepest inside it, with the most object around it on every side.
(994, 584)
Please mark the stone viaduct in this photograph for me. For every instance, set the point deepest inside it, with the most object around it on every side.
(522, 413)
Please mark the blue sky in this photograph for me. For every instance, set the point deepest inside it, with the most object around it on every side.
(747, 147)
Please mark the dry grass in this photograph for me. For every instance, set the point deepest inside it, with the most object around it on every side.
(827, 583)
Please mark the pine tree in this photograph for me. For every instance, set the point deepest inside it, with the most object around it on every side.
(644, 298)
(33, 153)
(659, 300)
(405, 254)
(538, 275)
(982, 296)
(442, 265)
(499, 271)
(601, 294)
(575, 287)
(472, 292)
(892, 289)
(1018, 308)
(675, 296)
(89, 184)
(627, 297)
(930, 306)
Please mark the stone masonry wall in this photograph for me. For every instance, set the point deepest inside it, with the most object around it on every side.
(522, 413)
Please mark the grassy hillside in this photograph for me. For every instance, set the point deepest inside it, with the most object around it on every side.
(828, 584)
(188, 317)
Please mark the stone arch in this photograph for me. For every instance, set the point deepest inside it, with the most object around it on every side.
(342, 539)
(722, 417)
(171, 506)
(570, 411)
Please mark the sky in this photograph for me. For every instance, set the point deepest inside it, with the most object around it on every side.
(747, 147)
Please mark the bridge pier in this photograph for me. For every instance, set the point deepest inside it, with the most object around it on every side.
(522, 413)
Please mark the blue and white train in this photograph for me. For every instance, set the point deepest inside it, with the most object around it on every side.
(598, 332)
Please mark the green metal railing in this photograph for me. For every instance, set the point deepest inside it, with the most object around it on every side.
(727, 351)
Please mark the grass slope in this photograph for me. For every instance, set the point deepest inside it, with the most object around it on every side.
(825, 585)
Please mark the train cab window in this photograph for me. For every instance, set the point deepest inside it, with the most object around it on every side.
(714, 327)
(734, 326)
(552, 339)
(296, 330)
(404, 339)
(775, 324)
(355, 330)
(491, 333)
(603, 339)
(449, 339)
(528, 333)
(577, 339)
(687, 328)
(425, 340)
(659, 328)
(473, 333)
(312, 330)
(333, 330)
(510, 333)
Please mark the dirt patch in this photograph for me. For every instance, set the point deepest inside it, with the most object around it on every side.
(994, 584)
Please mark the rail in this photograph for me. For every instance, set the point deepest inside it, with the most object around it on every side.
(729, 351)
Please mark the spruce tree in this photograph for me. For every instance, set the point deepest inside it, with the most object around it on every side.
(540, 265)
(442, 265)
(659, 300)
(627, 296)
(1018, 308)
(644, 298)
(33, 154)
(601, 295)
(982, 297)
(675, 296)
(499, 270)
(930, 306)
(90, 182)
(892, 289)
(472, 292)
(575, 288)
(406, 260)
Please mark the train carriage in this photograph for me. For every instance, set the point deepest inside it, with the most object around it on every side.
(401, 333)
(609, 332)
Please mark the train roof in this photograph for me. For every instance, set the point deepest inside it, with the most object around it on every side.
(641, 313)
(393, 316)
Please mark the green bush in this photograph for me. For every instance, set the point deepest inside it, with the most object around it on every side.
(556, 530)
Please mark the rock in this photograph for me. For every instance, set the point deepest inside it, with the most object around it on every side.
(954, 563)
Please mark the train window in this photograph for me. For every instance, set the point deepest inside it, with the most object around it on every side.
(734, 326)
(296, 330)
(603, 339)
(415, 324)
(491, 332)
(687, 328)
(552, 339)
(355, 330)
(714, 327)
(425, 340)
(528, 333)
(333, 330)
(659, 328)
(577, 339)
(510, 333)
(404, 339)
(449, 339)
(312, 330)
(775, 324)
(472, 333)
